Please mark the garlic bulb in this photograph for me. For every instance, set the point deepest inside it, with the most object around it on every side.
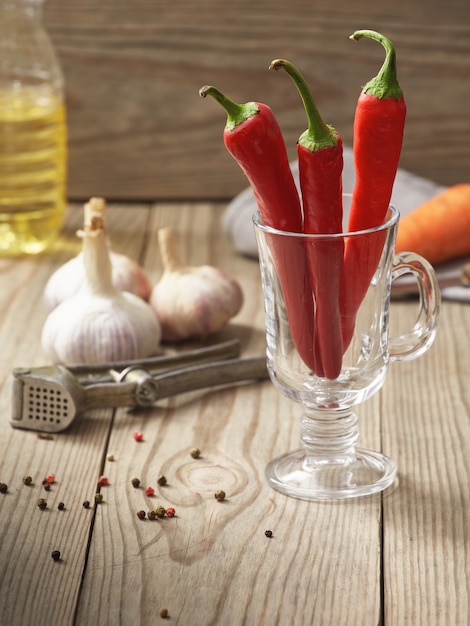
(192, 301)
(127, 275)
(99, 322)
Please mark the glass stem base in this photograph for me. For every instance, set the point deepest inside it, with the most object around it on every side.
(330, 466)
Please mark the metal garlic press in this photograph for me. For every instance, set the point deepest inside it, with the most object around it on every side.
(47, 399)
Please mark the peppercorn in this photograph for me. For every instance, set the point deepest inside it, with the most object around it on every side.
(27, 480)
(103, 481)
(50, 478)
(42, 504)
(47, 487)
(162, 480)
(141, 514)
(195, 453)
(219, 495)
(135, 482)
(268, 533)
(160, 511)
(86, 504)
(110, 457)
(151, 515)
(164, 613)
(61, 506)
(139, 436)
(3, 487)
(98, 498)
(56, 555)
(170, 512)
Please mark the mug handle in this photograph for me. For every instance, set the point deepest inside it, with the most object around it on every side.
(414, 343)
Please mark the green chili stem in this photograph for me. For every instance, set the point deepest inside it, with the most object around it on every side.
(236, 113)
(319, 134)
(385, 84)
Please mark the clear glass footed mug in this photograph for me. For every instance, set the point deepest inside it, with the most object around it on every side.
(327, 300)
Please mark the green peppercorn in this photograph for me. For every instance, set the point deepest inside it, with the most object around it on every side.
(98, 498)
(164, 613)
(160, 511)
(135, 482)
(162, 480)
(3, 487)
(195, 453)
(27, 480)
(56, 555)
(151, 515)
(219, 495)
(42, 504)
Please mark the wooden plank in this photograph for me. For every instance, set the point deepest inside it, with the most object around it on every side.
(426, 522)
(212, 563)
(33, 588)
(138, 130)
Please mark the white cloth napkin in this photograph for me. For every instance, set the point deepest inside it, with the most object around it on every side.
(409, 191)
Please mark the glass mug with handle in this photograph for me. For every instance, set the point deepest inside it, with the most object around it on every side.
(328, 347)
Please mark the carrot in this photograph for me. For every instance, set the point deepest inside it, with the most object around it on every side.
(438, 229)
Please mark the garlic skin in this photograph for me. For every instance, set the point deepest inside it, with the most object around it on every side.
(100, 323)
(127, 275)
(192, 301)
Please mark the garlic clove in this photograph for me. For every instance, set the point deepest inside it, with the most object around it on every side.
(192, 301)
(99, 322)
(127, 274)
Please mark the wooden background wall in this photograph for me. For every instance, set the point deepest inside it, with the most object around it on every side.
(138, 129)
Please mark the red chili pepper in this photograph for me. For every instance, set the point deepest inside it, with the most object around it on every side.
(378, 136)
(253, 137)
(320, 156)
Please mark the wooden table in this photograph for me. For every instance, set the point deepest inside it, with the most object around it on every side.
(392, 559)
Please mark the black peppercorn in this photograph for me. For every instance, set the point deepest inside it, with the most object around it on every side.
(135, 482)
(86, 504)
(141, 514)
(3, 487)
(42, 504)
(61, 506)
(162, 480)
(56, 555)
(268, 533)
(219, 495)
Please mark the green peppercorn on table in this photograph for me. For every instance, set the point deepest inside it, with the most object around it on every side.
(254, 556)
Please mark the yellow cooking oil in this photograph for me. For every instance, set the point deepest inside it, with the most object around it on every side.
(33, 163)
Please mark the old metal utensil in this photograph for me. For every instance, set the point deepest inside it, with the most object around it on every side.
(48, 399)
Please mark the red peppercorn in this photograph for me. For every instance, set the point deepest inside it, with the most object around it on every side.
(50, 479)
(103, 481)
(139, 436)
(149, 491)
(170, 512)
